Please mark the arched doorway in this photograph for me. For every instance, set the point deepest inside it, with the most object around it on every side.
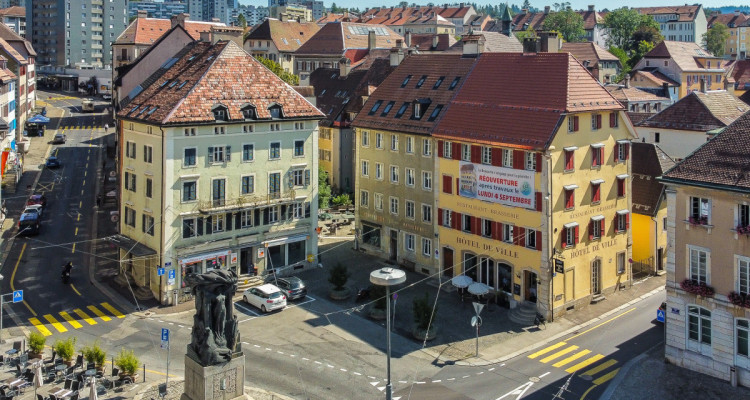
(487, 272)
(469, 266)
(505, 277)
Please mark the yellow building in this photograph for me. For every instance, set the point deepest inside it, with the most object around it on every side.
(291, 12)
(277, 40)
(534, 193)
(649, 224)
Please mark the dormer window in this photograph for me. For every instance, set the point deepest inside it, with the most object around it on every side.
(419, 107)
(249, 112)
(275, 111)
(221, 113)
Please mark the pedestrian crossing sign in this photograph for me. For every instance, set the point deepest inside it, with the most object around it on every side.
(660, 315)
(17, 296)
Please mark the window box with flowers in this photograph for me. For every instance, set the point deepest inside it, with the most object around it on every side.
(700, 289)
(743, 230)
(739, 299)
(698, 220)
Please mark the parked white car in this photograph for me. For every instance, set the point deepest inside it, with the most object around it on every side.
(36, 208)
(265, 297)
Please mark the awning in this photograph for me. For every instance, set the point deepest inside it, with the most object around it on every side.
(597, 218)
(623, 176)
(623, 212)
(623, 141)
(571, 224)
(570, 187)
(597, 181)
(571, 148)
(135, 248)
(597, 145)
(204, 256)
(38, 119)
(284, 240)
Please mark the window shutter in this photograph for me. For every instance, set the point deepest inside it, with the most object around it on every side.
(563, 240)
(266, 213)
(591, 229)
(199, 226)
(519, 159)
(539, 201)
(575, 123)
(520, 236)
(539, 240)
(576, 234)
(601, 226)
(627, 150)
(475, 228)
(229, 221)
(210, 154)
(256, 217)
(456, 152)
(476, 154)
(440, 148)
(447, 184)
(237, 221)
(612, 119)
(601, 155)
(440, 216)
(209, 226)
(570, 157)
(228, 151)
(307, 210)
(282, 214)
(456, 220)
(596, 193)
(598, 121)
(627, 221)
(458, 185)
(307, 177)
(538, 162)
(496, 226)
(620, 187)
(497, 156)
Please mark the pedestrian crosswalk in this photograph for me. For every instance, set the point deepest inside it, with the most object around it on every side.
(49, 324)
(79, 127)
(577, 360)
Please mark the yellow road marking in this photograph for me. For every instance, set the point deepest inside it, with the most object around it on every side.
(584, 364)
(99, 313)
(113, 310)
(558, 354)
(56, 150)
(162, 373)
(71, 320)
(604, 378)
(80, 204)
(38, 324)
(571, 358)
(84, 182)
(599, 368)
(13, 277)
(79, 217)
(605, 322)
(76, 231)
(85, 173)
(587, 391)
(84, 316)
(55, 323)
(73, 250)
(547, 350)
(81, 192)
(75, 290)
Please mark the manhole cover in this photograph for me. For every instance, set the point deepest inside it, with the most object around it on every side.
(586, 377)
(534, 379)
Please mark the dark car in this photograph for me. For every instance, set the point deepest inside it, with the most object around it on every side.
(60, 138)
(37, 199)
(29, 224)
(291, 286)
(52, 162)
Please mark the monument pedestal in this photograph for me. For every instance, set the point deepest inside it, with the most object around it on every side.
(205, 383)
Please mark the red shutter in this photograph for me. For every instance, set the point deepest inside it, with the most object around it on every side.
(539, 240)
(456, 220)
(538, 162)
(598, 121)
(456, 152)
(440, 148)
(570, 160)
(591, 230)
(627, 221)
(497, 156)
(447, 184)
(601, 155)
(519, 159)
(612, 119)
(620, 187)
(539, 201)
(499, 231)
(477, 225)
(458, 185)
(601, 227)
(576, 235)
(575, 123)
(627, 150)
(596, 189)
(569, 199)
(517, 235)
(522, 237)
(495, 231)
(440, 216)
(476, 154)
(564, 238)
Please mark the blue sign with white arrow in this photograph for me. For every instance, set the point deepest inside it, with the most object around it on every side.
(160, 271)
(164, 334)
(17, 296)
(660, 315)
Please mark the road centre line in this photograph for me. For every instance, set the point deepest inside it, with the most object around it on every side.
(605, 322)
(76, 290)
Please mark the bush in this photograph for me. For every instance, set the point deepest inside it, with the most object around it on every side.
(65, 348)
(342, 200)
(94, 354)
(423, 312)
(338, 276)
(37, 342)
(127, 362)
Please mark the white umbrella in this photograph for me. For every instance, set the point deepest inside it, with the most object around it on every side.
(38, 380)
(92, 392)
(461, 281)
(479, 289)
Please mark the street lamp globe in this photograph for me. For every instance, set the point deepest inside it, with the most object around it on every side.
(388, 277)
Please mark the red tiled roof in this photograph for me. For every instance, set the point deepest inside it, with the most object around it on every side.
(699, 112)
(432, 67)
(337, 37)
(591, 51)
(535, 20)
(445, 12)
(494, 42)
(525, 94)
(12, 51)
(628, 94)
(684, 54)
(649, 161)
(206, 75)
(12, 37)
(399, 19)
(146, 31)
(740, 72)
(723, 161)
(731, 20)
(423, 41)
(651, 76)
(14, 11)
(685, 13)
(288, 36)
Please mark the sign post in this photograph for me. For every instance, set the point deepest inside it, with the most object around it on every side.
(17, 298)
(395, 297)
(165, 343)
(476, 321)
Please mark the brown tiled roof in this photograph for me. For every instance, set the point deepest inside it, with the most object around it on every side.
(206, 75)
(12, 51)
(649, 162)
(445, 12)
(699, 111)
(723, 161)
(432, 66)
(494, 42)
(331, 17)
(624, 94)
(740, 72)
(637, 118)
(535, 20)
(686, 13)
(12, 37)
(731, 20)
(337, 37)
(423, 41)
(745, 97)
(590, 51)
(146, 31)
(288, 36)
(400, 19)
(684, 54)
(526, 95)
(14, 11)
(651, 76)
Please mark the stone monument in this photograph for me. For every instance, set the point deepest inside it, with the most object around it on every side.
(214, 363)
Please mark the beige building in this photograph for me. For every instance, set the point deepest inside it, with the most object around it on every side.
(291, 12)
(277, 40)
(708, 260)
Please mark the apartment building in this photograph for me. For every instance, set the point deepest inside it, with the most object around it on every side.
(685, 23)
(21, 61)
(278, 40)
(15, 18)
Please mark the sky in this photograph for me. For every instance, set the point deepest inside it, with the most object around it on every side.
(576, 4)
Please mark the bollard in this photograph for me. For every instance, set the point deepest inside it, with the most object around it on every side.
(733, 376)
(144, 372)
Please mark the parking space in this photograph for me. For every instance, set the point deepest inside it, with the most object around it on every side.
(252, 313)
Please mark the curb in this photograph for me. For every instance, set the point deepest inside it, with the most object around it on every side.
(545, 342)
(621, 375)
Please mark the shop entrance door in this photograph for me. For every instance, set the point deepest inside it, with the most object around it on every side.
(246, 262)
(394, 245)
(447, 262)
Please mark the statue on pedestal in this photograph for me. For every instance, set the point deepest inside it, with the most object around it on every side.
(215, 332)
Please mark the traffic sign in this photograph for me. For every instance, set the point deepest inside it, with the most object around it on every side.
(160, 271)
(171, 277)
(165, 334)
(478, 307)
(395, 296)
(660, 315)
(17, 296)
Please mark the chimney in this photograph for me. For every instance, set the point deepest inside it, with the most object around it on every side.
(737, 13)
(627, 81)
(435, 41)
(214, 19)
(407, 39)
(546, 10)
(729, 87)
(550, 42)
(142, 14)
(714, 13)
(531, 45)
(703, 85)
(591, 8)
(371, 40)
(284, 17)
(229, 33)
(397, 55)
(473, 45)
(665, 88)
(179, 19)
(524, 11)
(462, 5)
(345, 65)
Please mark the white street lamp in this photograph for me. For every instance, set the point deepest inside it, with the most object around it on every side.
(388, 277)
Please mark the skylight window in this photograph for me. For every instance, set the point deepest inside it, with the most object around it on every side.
(387, 108)
(438, 83)
(174, 82)
(134, 108)
(454, 83)
(169, 63)
(284, 40)
(151, 111)
(142, 110)
(421, 81)
(406, 81)
(374, 108)
(435, 112)
(322, 92)
(298, 42)
(402, 110)
(191, 58)
(164, 83)
(181, 85)
(210, 58)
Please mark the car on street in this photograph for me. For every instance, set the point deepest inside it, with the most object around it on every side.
(36, 208)
(29, 224)
(294, 288)
(52, 162)
(59, 138)
(37, 199)
(266, 297)
(107, 96)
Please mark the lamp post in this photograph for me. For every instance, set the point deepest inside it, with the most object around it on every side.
(388, 277)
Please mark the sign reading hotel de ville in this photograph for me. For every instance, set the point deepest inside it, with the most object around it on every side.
(511, 187)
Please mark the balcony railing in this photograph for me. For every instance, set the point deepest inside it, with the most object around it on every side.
(218, 205)
(123, 58)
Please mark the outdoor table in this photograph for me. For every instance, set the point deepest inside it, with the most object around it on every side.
(88, 374)
(12, 353)
(58, 392)
(59, 369)
(13, 383)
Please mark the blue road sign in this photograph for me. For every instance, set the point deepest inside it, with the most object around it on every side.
(164, 334)
(160, 271)
(17, 296)
(171, 274)
(660, 315)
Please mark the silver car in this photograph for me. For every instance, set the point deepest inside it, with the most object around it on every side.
(265, 297)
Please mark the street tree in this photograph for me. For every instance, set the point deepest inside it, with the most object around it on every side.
(324, 189)
(241, 21)
(715, 38)
(568, 23)
(526, 4)
(276, 69)
(623, 23)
